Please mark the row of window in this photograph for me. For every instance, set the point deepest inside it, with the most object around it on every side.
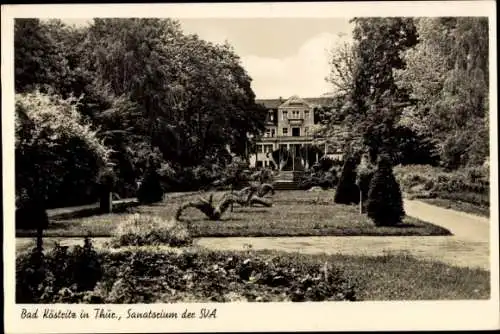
(294, 114)
(271, 133)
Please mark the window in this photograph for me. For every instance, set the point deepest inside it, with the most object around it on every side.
(268, 148)
(268, 133)
(285, 115)
(259, 148)
(295, 132)
(273, 133)
(285, 131)
(306, 114)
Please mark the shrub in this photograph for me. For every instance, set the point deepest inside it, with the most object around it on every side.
(60, 276)
(347, 191)
(140, 230)
(325, 180)
(150, 190)
(364, 173)
(385, 203)
(146, 276)
(58, 156)
(428, 181)
(31, 214)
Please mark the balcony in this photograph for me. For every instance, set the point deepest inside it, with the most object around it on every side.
(285, 139)
(295, 121)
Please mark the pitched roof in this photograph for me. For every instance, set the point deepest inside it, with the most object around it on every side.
(275, 103)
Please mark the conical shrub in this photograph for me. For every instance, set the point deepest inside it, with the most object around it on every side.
(150, 190)
(385, 203)
(347, 191)
(365, 172)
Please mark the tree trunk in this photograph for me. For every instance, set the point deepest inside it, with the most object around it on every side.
(232, 206)
(360, 202)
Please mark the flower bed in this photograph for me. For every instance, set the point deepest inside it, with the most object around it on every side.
(148, 276)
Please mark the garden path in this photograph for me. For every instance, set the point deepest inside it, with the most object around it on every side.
(468, 247)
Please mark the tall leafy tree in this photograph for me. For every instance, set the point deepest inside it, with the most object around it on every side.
(447, 74)
(363, 73)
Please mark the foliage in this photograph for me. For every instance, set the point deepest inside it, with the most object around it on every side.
(147, 86)
(150, 189)
(471, 185)
(325, 180)
(385, 202)
(182, 86)
(372, 101)
(413, 148)
(31, 214)
(58, 276)
(343, 66)
(140, 229)
(447, 74)
(134, 277)
(364, 174)
(347, 192)
(51, 136)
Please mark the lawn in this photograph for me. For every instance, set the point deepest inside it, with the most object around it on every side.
(294, 213)
(152, 276)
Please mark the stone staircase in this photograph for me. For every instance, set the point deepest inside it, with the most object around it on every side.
(286, 180)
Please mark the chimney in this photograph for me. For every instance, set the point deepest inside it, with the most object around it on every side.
(281, 99)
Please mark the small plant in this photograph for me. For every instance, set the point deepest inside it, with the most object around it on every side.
(141, 230)
(385, 203)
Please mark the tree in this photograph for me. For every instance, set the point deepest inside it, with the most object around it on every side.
(347, 191)
(364, 174)
(58, 156)
(194, 97)
(37, 60)
(343, 66)
(447, 75)
(371, 101)
(385, 203)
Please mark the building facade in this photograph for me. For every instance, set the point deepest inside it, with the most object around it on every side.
(288, 125)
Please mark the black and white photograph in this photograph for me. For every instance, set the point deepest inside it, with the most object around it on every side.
(226, 159)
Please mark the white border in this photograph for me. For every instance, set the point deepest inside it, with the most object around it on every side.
(425, 315)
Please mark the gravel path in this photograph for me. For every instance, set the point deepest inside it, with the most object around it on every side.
(468, 247)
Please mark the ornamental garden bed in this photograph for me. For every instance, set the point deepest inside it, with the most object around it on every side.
(293, 213)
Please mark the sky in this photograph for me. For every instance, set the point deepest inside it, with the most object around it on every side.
(283, 56)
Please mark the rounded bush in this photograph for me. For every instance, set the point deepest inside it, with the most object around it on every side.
(141, 230)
